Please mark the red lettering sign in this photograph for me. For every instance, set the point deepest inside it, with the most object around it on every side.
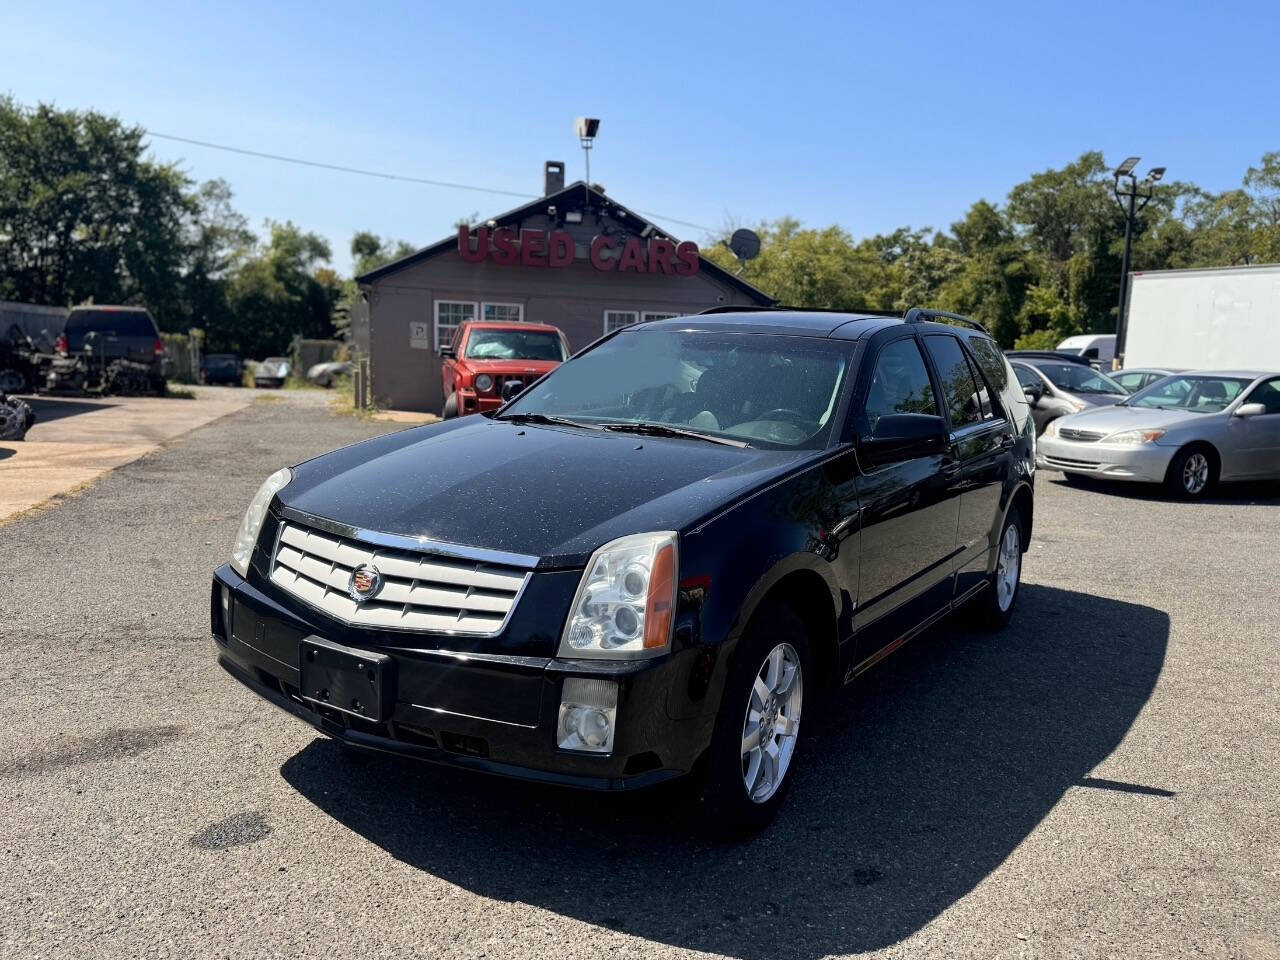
(540, 248)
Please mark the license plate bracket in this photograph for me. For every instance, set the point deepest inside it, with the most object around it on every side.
(347, 679)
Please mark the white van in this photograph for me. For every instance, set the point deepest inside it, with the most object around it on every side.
(1097, 348)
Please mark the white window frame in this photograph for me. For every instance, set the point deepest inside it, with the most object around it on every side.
(435, 317)
(496, 303)
(634, 313)
(658, 315)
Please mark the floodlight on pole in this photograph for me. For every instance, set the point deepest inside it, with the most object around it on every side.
(1126, 169)
(1155, 174)
(586, 128)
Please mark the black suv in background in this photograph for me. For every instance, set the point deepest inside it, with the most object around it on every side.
(651, 561)
(117, 349)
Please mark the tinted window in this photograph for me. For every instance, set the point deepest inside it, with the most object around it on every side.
(121, 323)
(991, 361)
(958, 387)
(1267, 394)
(899, 384)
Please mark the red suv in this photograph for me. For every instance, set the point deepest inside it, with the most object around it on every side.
(486, 357)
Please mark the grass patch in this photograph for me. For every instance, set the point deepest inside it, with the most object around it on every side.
(178, 392)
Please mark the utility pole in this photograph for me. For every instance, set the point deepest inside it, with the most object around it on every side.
(1133, 198)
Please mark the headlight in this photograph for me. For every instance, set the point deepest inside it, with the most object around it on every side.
(625, 602)
(1052, 429)
(1076, 405)
(484, 383)
(253, 517)
(1135, 436)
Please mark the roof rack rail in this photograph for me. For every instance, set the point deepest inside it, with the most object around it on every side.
(741, 308)
(755, 307)
(921, 314)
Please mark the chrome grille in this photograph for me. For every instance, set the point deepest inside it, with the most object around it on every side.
(1080, 436)
(420, 591)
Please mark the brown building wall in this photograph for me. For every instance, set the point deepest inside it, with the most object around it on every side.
(405, 364)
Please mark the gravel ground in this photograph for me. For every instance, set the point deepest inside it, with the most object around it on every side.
(1098, 780)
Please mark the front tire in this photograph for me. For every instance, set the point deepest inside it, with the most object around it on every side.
(1192, 473)
(450, 409)
(749, 765)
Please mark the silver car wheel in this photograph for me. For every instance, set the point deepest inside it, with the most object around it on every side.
(1008, 567)
(1195, 473)
(772, 722)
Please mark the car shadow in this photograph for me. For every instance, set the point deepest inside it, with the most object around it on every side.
(1243, 493)
(922, 778)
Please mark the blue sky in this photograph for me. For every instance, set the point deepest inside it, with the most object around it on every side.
(872, 116)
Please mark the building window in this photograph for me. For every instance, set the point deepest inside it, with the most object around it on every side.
(502, 312)
(617, 319)
(451, 314)
(659, 316)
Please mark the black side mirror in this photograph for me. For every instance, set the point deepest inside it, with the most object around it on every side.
(904, 436)
(510, 388)
(1033, 394)
(448, 353)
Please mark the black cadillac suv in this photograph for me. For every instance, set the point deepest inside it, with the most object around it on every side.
(652, 561)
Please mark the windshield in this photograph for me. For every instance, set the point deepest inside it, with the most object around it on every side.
(1194, 394)
(515, 345)
(1077, 378)
(766, 390)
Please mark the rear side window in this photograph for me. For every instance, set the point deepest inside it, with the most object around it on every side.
(899, 384)
(991, 362)
(959, 390)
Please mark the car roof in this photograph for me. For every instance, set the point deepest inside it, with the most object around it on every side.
(799, 323)
(511, 325)
(1242, 374)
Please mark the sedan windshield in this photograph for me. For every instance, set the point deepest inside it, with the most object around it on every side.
(1195, 394)
(1077, 378)
(765, 390)
(515, 345)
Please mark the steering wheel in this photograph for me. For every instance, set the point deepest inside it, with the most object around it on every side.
(785, 413)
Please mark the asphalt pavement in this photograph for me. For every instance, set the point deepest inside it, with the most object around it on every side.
(1099, 780)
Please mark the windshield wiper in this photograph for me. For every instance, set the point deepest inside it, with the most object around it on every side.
(547, 419)
(663, 430)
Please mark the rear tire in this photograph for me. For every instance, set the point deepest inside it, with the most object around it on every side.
(993, 607)
(1192, 473)
(762, 701)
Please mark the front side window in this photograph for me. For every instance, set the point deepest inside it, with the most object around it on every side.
(1267, 393)
(1077, 378)
(1194, 394)
(958, 387)
(616, 319)
(502, 312)
(770, 391)
(451, 314)
(1028, 378)
(515, 345)
(1130, 381)
(899, 384)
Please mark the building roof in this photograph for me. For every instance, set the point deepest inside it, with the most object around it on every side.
(570, 198)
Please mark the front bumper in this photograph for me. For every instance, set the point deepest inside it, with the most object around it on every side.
(489, 712)
(1146, 462)
(469, 401)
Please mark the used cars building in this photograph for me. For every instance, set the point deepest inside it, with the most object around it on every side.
(574, 258)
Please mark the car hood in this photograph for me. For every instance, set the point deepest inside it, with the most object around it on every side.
(1098, 399)
(512, 366)
(549, 492)
(1113, 418)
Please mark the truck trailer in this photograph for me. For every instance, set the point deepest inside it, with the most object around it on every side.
(1219, 318)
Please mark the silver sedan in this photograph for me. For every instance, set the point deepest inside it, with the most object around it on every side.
(1187, 431)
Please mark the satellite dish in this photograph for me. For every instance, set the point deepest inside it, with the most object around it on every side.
(745, 244)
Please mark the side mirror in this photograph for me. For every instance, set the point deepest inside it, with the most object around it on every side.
(510, 388)
(1033, 394)
(1251, 410)
(448, 353)
(904, 436)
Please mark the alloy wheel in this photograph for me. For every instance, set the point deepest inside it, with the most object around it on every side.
(1195, 473)
(1008, 567)
(772, 722)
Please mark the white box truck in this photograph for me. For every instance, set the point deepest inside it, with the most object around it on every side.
(1220, 318)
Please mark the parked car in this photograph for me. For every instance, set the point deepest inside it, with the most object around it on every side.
(108, 349)
(1098, 349)
(485, 359)
(1139, 378)
(323, 374)
(659, 554)
(272, 372)
(221, 368)
(1188, 431)
(16, 417)
(1055, 388)
(1055, 355)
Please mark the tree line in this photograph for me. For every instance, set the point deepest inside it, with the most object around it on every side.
(86, 216)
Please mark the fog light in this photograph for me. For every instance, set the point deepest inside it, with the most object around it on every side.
(588, 715)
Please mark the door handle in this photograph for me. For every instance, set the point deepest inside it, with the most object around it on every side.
(950, 468)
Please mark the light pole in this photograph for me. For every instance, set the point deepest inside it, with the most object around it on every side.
(586, 128)
(1133, 198)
